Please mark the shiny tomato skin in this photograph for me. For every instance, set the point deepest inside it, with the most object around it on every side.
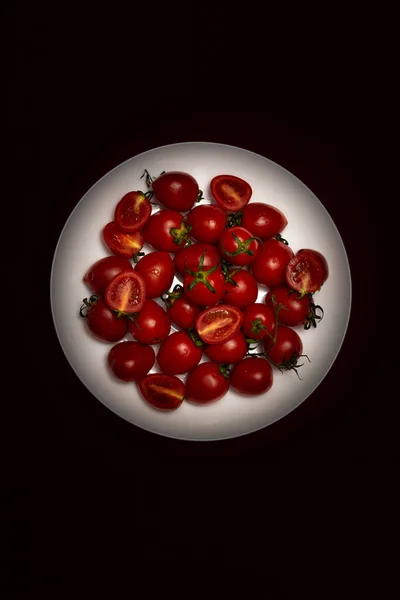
(157, 270)
(230, 249)
(269, 266)
(122, 243)
(287, 347)
(191, 255)
(130, 361)
(200, 295)
(176, 190)
(231, 193)
(295, 309)
(100, 273)
(208, 223)
(307, 271)
(165, 392)
(126, 292)
(104, 324)
(263, 220)
(152, 325)
(183, 313)
(252, 376)
(229, 352)
(217, 324)
(166, 230)
(206, 384)
(259, 321)
(178, 354)
(132, 211)
(244, 293)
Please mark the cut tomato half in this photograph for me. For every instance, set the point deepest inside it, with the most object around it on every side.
(122, 243)
(307, 271)
(165, 392)
(132, 211)
(230, 193)
(126, 293)
(219, 323)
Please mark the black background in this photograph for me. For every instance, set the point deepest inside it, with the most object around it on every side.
(96, 482)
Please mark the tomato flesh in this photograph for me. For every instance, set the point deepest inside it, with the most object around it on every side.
(231, 193)
(98, 276)
(132, 211)
(217, 324)
(122, 243)
(126, 293)
(162, 391)
(307, 271)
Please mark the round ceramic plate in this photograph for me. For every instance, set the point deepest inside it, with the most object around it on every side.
(309, 225)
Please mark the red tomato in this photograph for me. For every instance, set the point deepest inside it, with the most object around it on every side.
(132, 211)
(208, 223)
(126, 293)
(269, 266)
(229, 352)
(205, 287)
(102, 271)
(191, 255)
(252, 376)
(238, 246)
(229, 192)
(176, 190)
(122, 243)
(286, 350)
(263, 220)
(166, 230)
(217, 324)
(241, 288)
(181, 312)
(205, 384)
(178, 354)
(130, 361)
(259, 321)
(165, 392)
(152, 325)
(157, 270)
(102, 322)
(307, 271)
(294, 308)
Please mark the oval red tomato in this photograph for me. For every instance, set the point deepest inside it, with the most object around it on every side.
(179, 309)
(157, 270)
(130, 361)
(162, 391)
(231, 193)
(152, 325)
(259, 321)
(176, 190)
(166, 230)
(190, 256)
(132, 211)
(217, 324)
(126, 293)
(252, 376)
(286, 350)
(263, 220)
(208, 223)
(122, 243)
(205, 384)
(238, 246)
(229, 352)
(269, 266)
(102, 271)
(294, 308)
(178, 354)
(205, 287)
(102, 322)
(307, 271)
(241, 288)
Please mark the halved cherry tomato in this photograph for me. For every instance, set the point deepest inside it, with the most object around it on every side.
(178, 354)
(102, 322)
(102, 271)
(152, 325)
(130, 361)
(205, 287)
(307, 271)
(179, 309)
(206, 383)
(166, 230)
(165, 392)
(294, 308)
(176, 190)
(286, 350)
(252, 376)
(122, 243)
(217, 324)
(229, 352)
(132, 211)
(263, 220)
(238, 246)
(241, 288)
(190, 257)
(230, 193)
(157, 270)
(208, 223)
(259, 321)
(126, 293)
(269, 266)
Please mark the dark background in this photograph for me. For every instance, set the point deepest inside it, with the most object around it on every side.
(97, 482)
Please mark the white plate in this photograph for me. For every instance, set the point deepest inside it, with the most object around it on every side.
(309, 226)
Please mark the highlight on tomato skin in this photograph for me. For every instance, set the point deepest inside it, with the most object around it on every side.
(122, 243)
(162, 391)
(126, 293)
(217, 324)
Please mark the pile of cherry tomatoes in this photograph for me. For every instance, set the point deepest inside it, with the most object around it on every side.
(222, 252)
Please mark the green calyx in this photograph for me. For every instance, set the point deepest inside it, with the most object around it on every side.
(181, 234)
(194, 336)
(170, 297)
(242, 247)
(257, 326)
(201, 276)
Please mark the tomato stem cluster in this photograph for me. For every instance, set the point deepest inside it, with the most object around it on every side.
(87, 305)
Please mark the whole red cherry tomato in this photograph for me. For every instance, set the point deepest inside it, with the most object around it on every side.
(179, 309)
(130, 361)
(204, 287)
(166, 230)
(189, 257)
(206, 383)
(152, 325)
(176, 190)
(294, 309)
(178, 354)
(269, 266)
(238, 246)
(259, 321)
(102, 322)
(287, 349)
(157, 270)
(263, 220)
(229, 352)
(208, 223)
(241, 288)
(252, 376)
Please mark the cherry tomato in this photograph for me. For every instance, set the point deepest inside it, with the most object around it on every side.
(205, 384)
(132, 211)
(241, 288)
(259, 321)
(238, 246)
(166, 230)
(152, 325)
(286, 350)
(229, 192)
(122, 243)
(252, 376)
(102, 271)
(204, 287)
(294, 308)
(102, 322)
(269, 266)
(229, 352)
(130, 361)
(191, 255)
(181, 312)
(263, 220)
(126, 293)
(208, 223)
(217, 324)
(178, 354)
(157, 270)
(307, 271)
(165, 392)
(176, 190)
